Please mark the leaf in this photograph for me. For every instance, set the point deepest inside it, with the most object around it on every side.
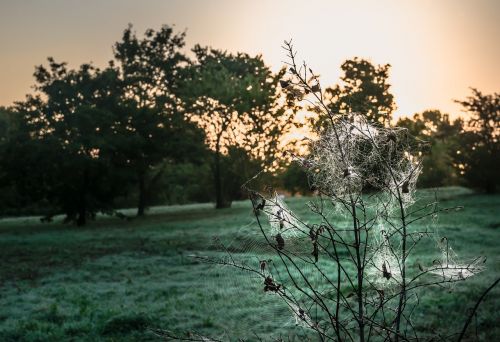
(284, 84)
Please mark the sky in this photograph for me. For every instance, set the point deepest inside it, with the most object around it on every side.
(437, 49)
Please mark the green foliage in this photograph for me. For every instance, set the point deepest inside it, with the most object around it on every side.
(234, 99)
(237, 168)
(364, 89)
(88, 135)
(460, 153)
(67, 135)
(155, 127)
(479, 154)
(10, 122)
(176, 185)
(149, 71)
(441, 138)
(294, 180)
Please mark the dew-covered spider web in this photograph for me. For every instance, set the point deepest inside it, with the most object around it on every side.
(242, 303)
(279, 274)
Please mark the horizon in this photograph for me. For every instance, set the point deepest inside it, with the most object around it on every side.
(436, 50)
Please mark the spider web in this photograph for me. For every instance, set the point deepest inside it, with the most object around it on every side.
(238, 303)
(262, 277)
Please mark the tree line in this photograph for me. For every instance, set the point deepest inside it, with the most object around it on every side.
(159, 125)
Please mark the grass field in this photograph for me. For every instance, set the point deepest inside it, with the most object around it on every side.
(114, 280)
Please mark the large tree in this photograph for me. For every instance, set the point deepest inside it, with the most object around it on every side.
(479, 156)
(10, 125)
(66, 152)
(236, 100)
(159, 133)
(364, 88)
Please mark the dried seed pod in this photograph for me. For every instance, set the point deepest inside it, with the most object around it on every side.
(280, 241)
(284, 83)
(406, 187)
(261, 205)
(269, 285)
(347, 173)
(320, 230)
(386, 273)
(263, 264)
(301, 314)
(281, 218)
(391, 137)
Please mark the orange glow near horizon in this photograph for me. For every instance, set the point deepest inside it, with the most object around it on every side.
(437, 49)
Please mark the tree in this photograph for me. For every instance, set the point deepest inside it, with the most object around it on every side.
(479, 156)
(10, 124)
(441, 136)
(67, 152)
(159, 134)
(364, 89)
(294, 180)
(234, 98)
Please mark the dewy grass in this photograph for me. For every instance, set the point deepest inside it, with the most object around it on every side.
(117, 280)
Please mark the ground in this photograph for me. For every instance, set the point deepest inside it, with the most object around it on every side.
(122, 280)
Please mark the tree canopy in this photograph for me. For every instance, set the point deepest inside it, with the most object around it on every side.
(364, 88)
(158, 132)
(235, 99)
(155, 126)
(479, 156)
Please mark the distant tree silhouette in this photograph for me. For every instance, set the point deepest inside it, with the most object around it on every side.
(364, 88)
(158, 132)
(479, 156)
(10, 125)
(66, 152)
(441, 135)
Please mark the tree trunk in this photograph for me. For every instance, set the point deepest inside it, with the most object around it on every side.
(141, 205)
(220, 201)
(81, 220)
(82, 216)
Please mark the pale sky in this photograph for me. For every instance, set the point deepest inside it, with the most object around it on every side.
(437, 49)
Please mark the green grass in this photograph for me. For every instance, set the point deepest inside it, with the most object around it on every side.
(114, 279)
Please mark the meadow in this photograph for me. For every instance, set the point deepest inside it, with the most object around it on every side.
(122, 280)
